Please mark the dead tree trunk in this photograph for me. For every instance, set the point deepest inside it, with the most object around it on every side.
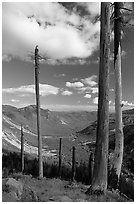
(90, 167)
(60, 157)
(119, 136)
(22, 150)
(99, 181)
(38, 113)
(73, 164)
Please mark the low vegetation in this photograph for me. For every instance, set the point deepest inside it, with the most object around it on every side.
(12, 163)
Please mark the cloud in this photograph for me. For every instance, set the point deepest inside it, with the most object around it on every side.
(126, 103)
(84, 85)
(59, 75)
(45, 89)
(94, 90)
(59, 33)
(90, 80)
(14, 100)
(95, 100)
(6, 58)
(74, 84)
(87, 96)
(88, 89)
(92, 7)
(67, 93)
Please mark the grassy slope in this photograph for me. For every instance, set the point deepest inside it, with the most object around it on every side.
(56, 190)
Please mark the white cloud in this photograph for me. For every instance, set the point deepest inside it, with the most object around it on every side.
(80, 85)
(126, 103)
(87, 89)
(59, 75)
(94, 90)
(92, 7)
(74, 84)
(67, 93)
(45, 89)
(26, 25)
(90, 80)
(84, 90)
(14, 100)
(95, 100)
(87, 96)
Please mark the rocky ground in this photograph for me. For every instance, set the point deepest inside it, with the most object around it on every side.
(24, 188)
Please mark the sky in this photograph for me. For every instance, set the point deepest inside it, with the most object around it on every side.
(68, 37)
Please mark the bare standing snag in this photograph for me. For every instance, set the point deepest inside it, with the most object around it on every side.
(22, 149)
(38, 112)
(99, 181)
(119, 136)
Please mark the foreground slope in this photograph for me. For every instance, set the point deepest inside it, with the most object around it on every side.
(51, 190)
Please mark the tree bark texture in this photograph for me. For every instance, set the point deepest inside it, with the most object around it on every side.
(99, 181)
(38, 113)
(119, 136)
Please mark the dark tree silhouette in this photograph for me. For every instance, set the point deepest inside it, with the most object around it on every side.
(38, 113)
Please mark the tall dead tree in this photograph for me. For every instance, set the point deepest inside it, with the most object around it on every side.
(90, 167)
(73, 164)
(119, 136)
(38, 113)
(99, 181)
(60, 148)
(22, 149)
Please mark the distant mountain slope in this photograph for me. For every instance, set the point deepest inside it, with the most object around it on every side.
(53, 124)
(127, 116)
(128, 129)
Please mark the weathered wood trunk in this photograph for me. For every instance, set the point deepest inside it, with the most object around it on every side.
(60, 144)
(22, 150)
(99, 181)
(73, 164)
(38, 113)
(119, 136)
(90, 167)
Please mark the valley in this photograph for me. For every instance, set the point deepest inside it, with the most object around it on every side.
(55, 125)
(76, 129)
